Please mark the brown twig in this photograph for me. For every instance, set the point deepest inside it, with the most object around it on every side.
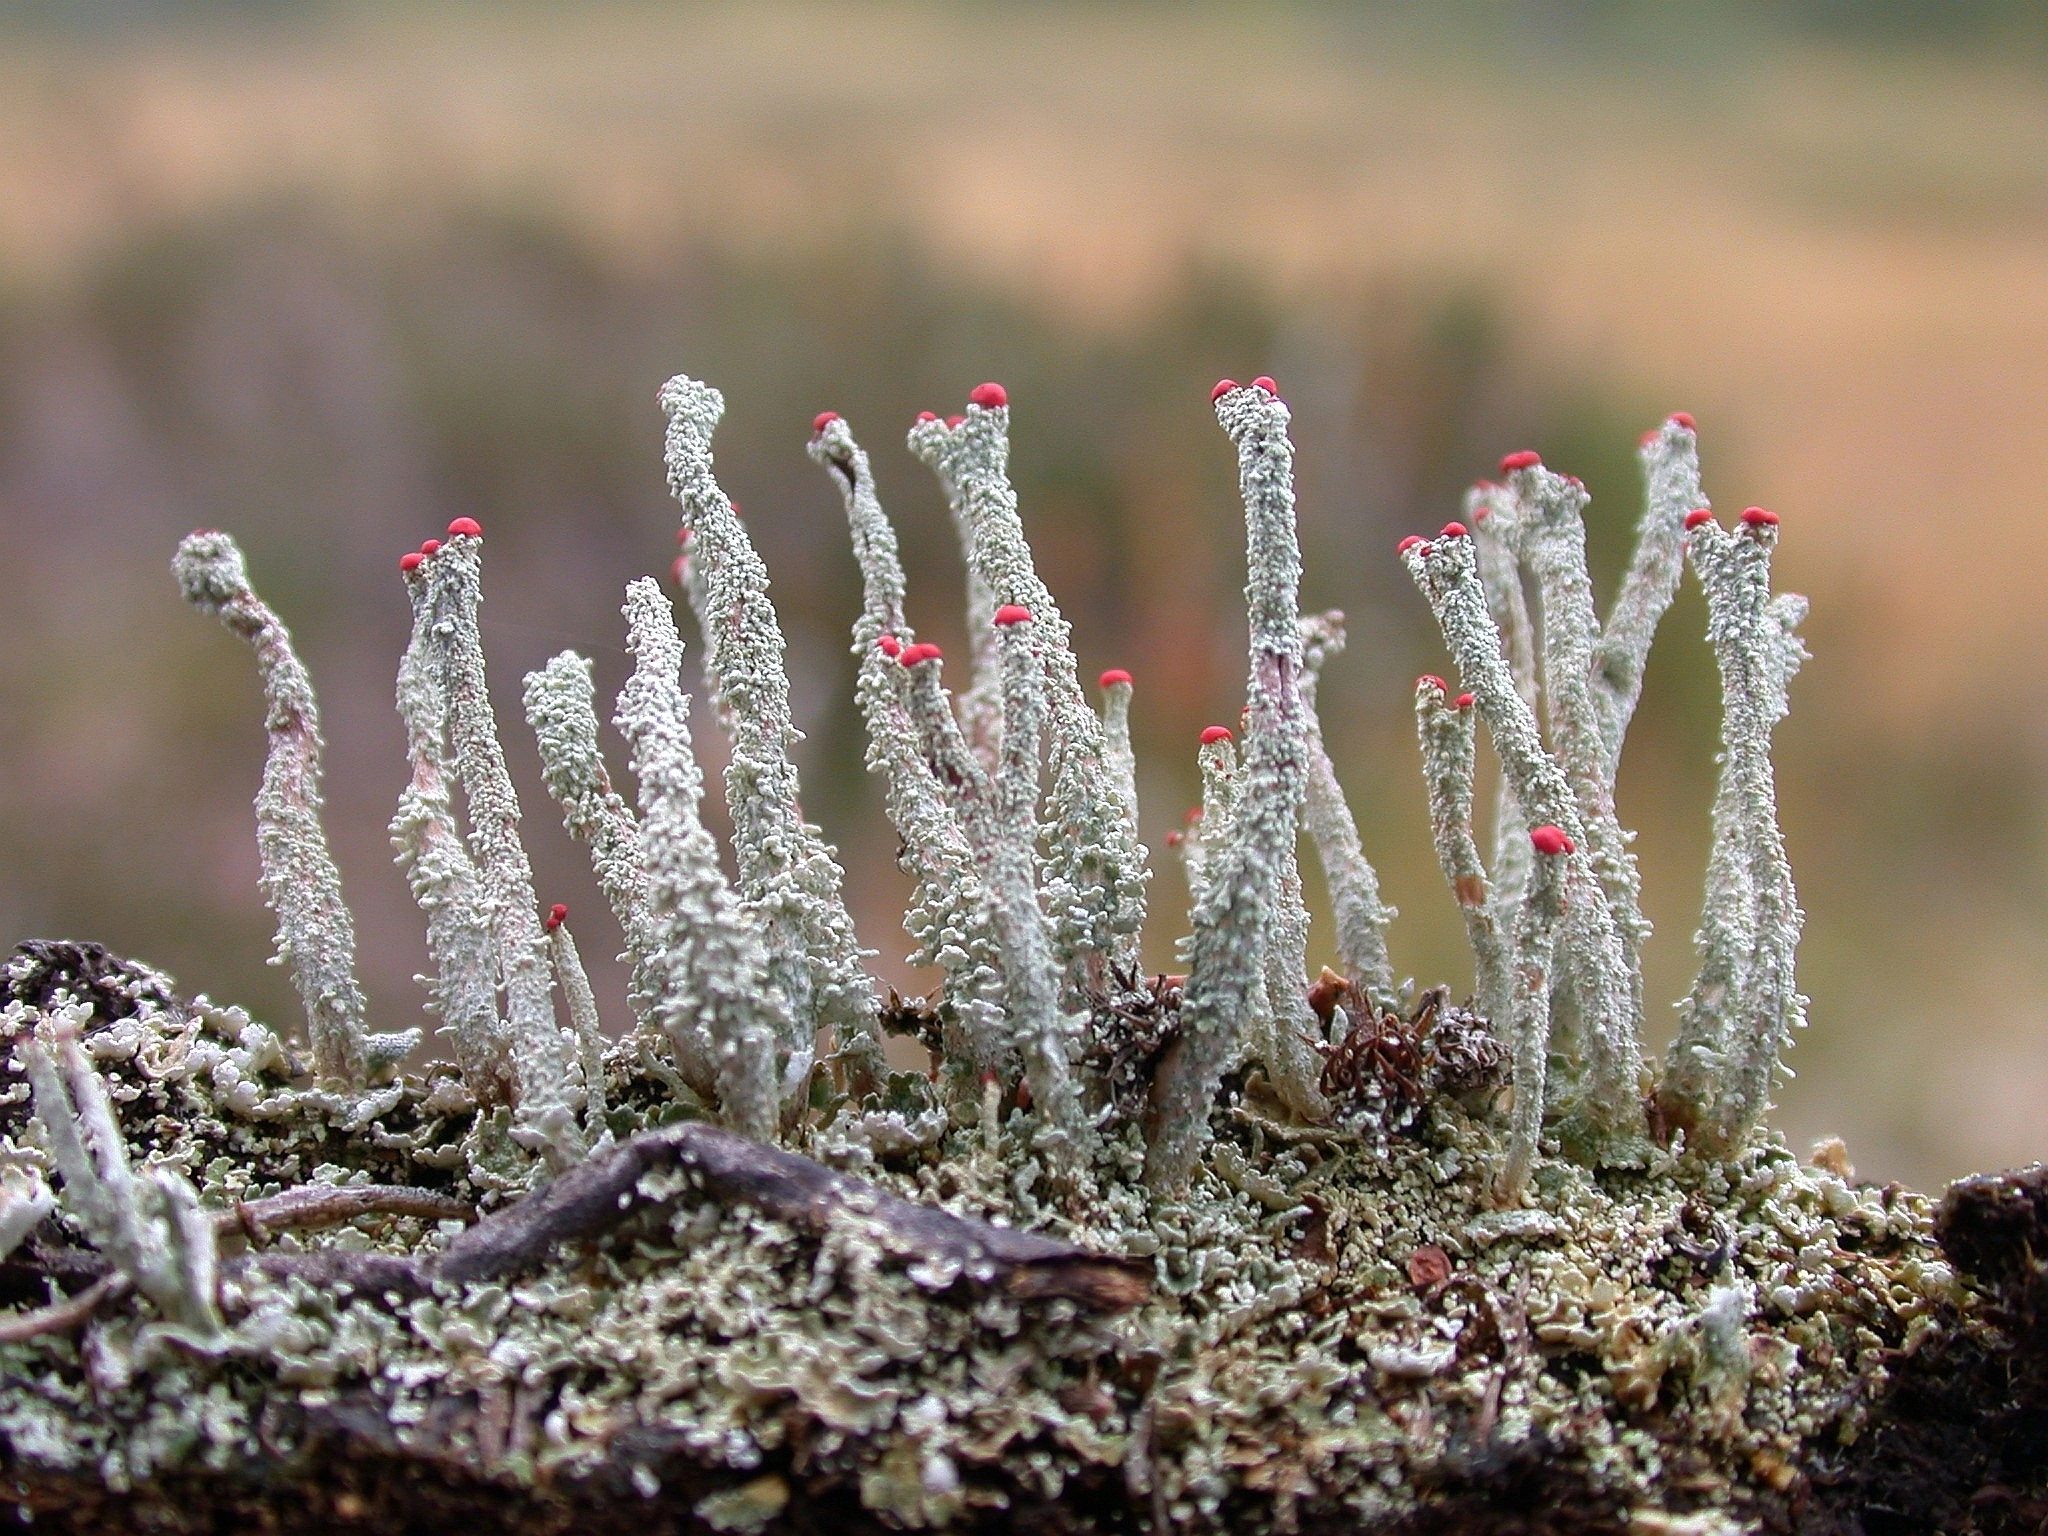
(62, 1316)
(597, 1196)
(324, 1205)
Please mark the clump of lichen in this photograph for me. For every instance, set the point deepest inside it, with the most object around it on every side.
(1226, 1247)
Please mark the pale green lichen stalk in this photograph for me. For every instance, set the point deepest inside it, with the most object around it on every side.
(316, 935)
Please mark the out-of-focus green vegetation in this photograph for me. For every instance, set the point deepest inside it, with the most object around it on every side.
(330, 277)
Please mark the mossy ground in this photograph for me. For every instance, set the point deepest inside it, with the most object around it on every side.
(1343, 1334)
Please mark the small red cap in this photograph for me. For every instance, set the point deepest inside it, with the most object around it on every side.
(1114, 676)
(1409, 543)
(1759, 517)
(466, 525)
(1481, 513)
(927, 415)
(1549, 839)
(1223, 387)
(1214, 733)
(988, 396)
(1697, 516)
(1684, 419)
(1264, 382)
(432, 546)
(954, 421)
(557, 915)
(1012, 613)
(410, 560)
(889, 646)
(1648, 438)
(1173, 839)
(1464, 701)
(1528, 458)
(682, 537)
(680, 571)
(1453, 531)
(1431, 680)
(823, 420)
(923, 651)
(1575, 482)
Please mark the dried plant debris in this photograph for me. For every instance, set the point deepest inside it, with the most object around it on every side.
(1231, 1248)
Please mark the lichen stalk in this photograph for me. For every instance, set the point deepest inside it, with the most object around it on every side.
(149, 1228)
(718, 1007)
(787, 872)
(561, 707)
(1529, 980)
(1553, 542)
(316, 935)
(1231, 921)
(1360, 916)
(543, 1061)
(1095, 870)
(1756, 654)
(1591, 954)
(1037, 1023)
(945, 914)
(427, 842)
(586, 1027)
(1446, 730)
(1671, 488)
(1118, 753)
(1494, 517)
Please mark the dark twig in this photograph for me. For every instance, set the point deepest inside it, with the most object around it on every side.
(62, 1316)
(325, 1205)
(598, 1195)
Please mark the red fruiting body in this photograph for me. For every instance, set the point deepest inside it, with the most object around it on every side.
(1575, 482)
(1453, 531)
(1759, 517)
(954, 421)
(923, 651)
(682, 537)
(1528, 458)
(1114, 676)
(1684, 419)
(927, 415)
(1012, 613)
(557, 915)
(1266, 383)
(1223, 387)
(1408, 543)
(1648, 438)
(432, 546)
(889, 646)
(468, 525)
(1697, 516)
(410, 560)
(1464, 701)
(680, 571)
(1431, 680)
(823, 420)
(1549, 839)
(1194, 815)
(1214, 733)
(1481, 513)
(1173, 839)
(988, 396)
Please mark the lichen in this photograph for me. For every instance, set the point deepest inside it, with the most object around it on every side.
(1375, 1245)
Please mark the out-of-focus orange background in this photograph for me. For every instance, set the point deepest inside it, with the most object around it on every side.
(330, 277)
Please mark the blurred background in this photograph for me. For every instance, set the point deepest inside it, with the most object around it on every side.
(328, 276)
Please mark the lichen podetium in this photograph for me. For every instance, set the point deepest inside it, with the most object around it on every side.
(1241, 1248)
